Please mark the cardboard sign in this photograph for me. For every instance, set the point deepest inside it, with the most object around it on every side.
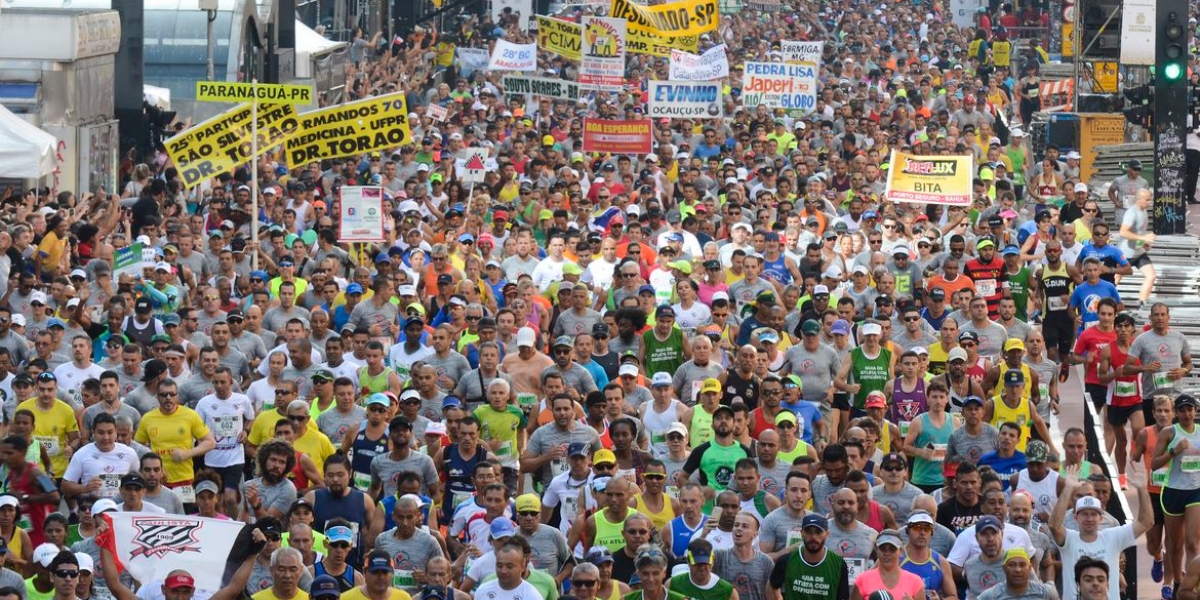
(351, 129)
(713, 64)
(507, 56)
(930, 179)
(602, 66)
(222, 143)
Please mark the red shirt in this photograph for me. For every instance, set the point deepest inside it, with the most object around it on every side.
(1089, 343)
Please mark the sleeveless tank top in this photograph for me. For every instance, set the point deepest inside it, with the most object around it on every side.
(761, 423)
(1126, 390)
(929, 472)
(870, 373)
(608, 533)
(362, 451)
(700, 430)
(956, 398)
(348, 507)
(907, 406)
(459, 487)
(874, 519)
(978, 370)
(789, 457)
(373, 384)
(756, 505)
(871, 580)
(1185, 468)
(140, 336)
(1021, 415)
(660, 518)
(930, 571)
(777, 269)
(1055, 284)
(1025, 394)
(297, 476)
(345, 580)
(885, 438)
(1044, 492)
(681, 534)
(1158, 478)
(657, 424)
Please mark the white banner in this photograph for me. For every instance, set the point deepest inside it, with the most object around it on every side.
(471, 60)
(437, 112)
(541, 86)
(713, 64)
(507, 56)
(474, 165)
(684, 100)
(602, 54)
(1138, 23)
(362, 216)
(779, 85)
(963, 12)
(801, 52)
(151, 545)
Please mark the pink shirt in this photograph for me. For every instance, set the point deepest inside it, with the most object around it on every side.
(872, 580)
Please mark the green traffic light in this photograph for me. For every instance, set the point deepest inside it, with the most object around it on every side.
(1173, 71)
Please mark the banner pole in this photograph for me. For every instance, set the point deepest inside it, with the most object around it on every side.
(254, 174)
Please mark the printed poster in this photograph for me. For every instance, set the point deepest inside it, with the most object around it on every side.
(780, 85)
(507, 56)
(713, 64)
(930, 179)
(684, 100)
(618, 137)
(361, 214)
(602, 63)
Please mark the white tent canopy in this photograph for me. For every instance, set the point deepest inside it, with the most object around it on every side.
(308, 44)
(26, 152)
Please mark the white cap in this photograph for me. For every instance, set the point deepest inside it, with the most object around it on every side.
(44, 554)
(37, 296)
(526, 337)
(831, 273)
(652, 157)
(1081, 187)
(407, 289)
(410, 394)
(678, 427)
(660, 379)
(742, 225)
(143, 240)
(956, 353)
(628, 369)
(720, 296)
(920, 517)
(871, 329)
(79, 273)
(7, 500)
(1088, 503)
(422, 167)
(901, 249)
(921, 351)
(103, 505)
(46, 211)
(861, 269)
(18, 320)
(1073, 155)
(633, 209)
(821, 289)
(163, 266)
(85, 562)
(73, 302)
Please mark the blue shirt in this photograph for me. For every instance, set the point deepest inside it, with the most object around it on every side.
(1087, 296)
(1004, 467)
(1109, 255)
(807, 414)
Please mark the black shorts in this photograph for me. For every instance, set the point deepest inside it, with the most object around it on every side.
(1118, 416)
(1140, 261)
(1059, 331)
(1098, 393)
(231, 476)
(1175, 502)
(841, 400)
(1156, 502)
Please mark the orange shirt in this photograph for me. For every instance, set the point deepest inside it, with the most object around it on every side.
(939, 281)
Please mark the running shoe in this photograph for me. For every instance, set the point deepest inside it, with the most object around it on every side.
(1156, 570)
(1064, 373)
(1167, 592)
(1123, 481)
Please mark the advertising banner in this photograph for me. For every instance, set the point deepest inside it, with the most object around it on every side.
(643, 42)
(802, 52)
(350, 129)
(930, 179)
(218, 145)
(558, 36)
(713, 64)
(602, 63)
(618, 137)
(685, 17)
(541, 86)
(684, 100)
(507, 56)
(361, 211)
(779, 85)
(273, 93)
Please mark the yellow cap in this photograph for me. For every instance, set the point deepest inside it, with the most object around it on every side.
(1016, 552)
(1014, 344)
(548, 140)
(604, 456)
(785, 416)
(710, 385)
(528, 502)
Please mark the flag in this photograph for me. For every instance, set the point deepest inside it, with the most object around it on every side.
(151, 545)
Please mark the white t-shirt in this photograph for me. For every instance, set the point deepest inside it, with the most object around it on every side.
(966, 546)
(71, 378)
(226, 419)
(147, 507)
(261, 394)
(492, 591)
(90, 462)
(1109, 545)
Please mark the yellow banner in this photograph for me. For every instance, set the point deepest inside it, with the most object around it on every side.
(350, 129)
(930, 179)
(685, 17)
(643, 42)
(558, 36)
(222, 143)
(275, 93)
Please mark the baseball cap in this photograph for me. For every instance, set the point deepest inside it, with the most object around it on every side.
(968, 335)
(840, 327)
(1014, 344)
(660, 379)
(526, 337)
(956, 354)
(1014, 377)
(132, 479)
(564, 340)
(182, 580)
(604, 456)
(578, 449)
(991, 522)
(1037, 451)
(324, 586)
(502, 527)
(893, 457)
(628, 369)
(1016, 552)
(100, 506)
(1088, 503)
(528, 502)
(985, 242)
(1186, 400)
(599, 555)
(44, 554)
(378, 398)
(679, 428)
(710, 385)
(919, 516)
(871, 329)
(810, 327)
(700, 557)
(875, 400)
(815, 520)
(379, 560)
(972, 398)
(785, 416)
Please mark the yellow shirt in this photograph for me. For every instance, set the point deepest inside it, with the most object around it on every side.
(51, 250)
(269, 594)
(313, 443)
(179, 430)
(50, 430)
(357, 594)
(263, 427)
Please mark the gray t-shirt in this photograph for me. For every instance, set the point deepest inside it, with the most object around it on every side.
(367, 314)
(906, 343)
(195, 388)
(250, 344)
(857, 543)
(777, 526)
(453, 366)
(302, 377)
(165, 499)
(547, 437)
(963, 445)
(277, 317)
(991, 337)
(575, 376)
(90, 413)
(408, 555)
(514, 266)
(472, 386)
(207, 321)
(1018, 329)
(689, 376)
(1034, 591)
(239, 363)
(748, 578)
(773, 480)
(822, 490)
(334, 424)
(572, 324)
(387, 470)
(982, 576)
(899, 502)
(279, 496)
(550, 551)
(816, 369)
(1166, 349)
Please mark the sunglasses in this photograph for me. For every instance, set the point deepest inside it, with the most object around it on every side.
(529, 513)
(168, 394)
(298, 418)
(587, 583)
(654, 476)
(67, 574)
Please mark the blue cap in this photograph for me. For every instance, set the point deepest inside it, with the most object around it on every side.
(1011, 249)
(382, 257)
(170, 319)
(55, 322)
(675, 237)
(379, 560)
(433, 592)
(815, 520)
(451, 401)
(700, 557)
(376, 398)
(870, 214)
(578, 449)
(259, 274)
(599, 555)
(341, 533)
(1014, 377)
(646, 288)
(354, 288)
(324, 586)
(988, 522)
(503, 527)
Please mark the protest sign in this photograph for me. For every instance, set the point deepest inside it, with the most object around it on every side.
(218, 145)
(558, 36)
(475, 165)
(541, 86)
(684, 100)
(713, 64)
(361, 212)
(779, 85)
(802, 52)
(471, 60)
(643, 42)
(685, 17)
(930, 179)
(507, 56)
(437, 112)
(617, 137)
(602, 63)
(350, 129)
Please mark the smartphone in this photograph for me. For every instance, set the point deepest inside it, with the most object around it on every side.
(716, 513)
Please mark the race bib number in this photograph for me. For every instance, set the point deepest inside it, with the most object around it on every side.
(457, 498)
(402, 371)
(793, 537)
(50, 443)
(856, 567)
(1158, 477)
(403, 579)
(658, 437)
(110, 485)
(939, 452)
(904, 428)
(672, 491)
(570, 508)
(1044, 392)
(559, 466)
(505, 449)
(1125, 388)
(1189, 464)
(527, 400)
(1056, 304)
(186, 493)
(1162, 381)
(227, 426)
(986, 287)
(362, 481)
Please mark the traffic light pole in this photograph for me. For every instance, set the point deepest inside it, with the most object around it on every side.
(1170, 117)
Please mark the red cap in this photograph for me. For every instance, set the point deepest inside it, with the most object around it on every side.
(875, 400)
(179, 580)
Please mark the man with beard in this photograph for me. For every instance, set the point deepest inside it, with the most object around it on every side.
(110, 403)
(715, 459)
(984, 571)
(964, 509)
(896, 492)
(813, 573)
(852, 539)
(836, 464)
(995, 504)
(271, 494)
(408, 546)
(180, 435)
(339, 500)
(741, 384)
(545, 454)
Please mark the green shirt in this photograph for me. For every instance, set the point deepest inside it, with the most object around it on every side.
(796, 579)
(665, 356)
(716, 463)
(1018, 285)
(870, 373)
(682, 584)
(502, 425)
